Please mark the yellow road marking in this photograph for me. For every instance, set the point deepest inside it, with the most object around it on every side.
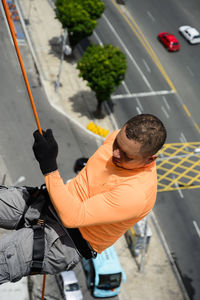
(186, 110)
(178, 167)
(197, 127)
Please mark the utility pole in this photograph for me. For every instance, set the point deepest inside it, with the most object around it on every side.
(144, 246)
(66, 49)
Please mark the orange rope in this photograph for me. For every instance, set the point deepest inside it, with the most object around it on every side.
(43, 286)
(13, 33)
(11, 26)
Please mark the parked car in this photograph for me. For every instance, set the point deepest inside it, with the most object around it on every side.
(190, 34)
(69, 286)
(169, 41)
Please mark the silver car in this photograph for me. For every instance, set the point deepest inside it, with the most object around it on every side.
(190, 33)
(69, 286)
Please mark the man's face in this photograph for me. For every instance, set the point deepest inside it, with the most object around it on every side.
(126, 152)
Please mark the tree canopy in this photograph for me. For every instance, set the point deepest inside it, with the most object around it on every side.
(104, 68)
(95, 8)
(79, 17)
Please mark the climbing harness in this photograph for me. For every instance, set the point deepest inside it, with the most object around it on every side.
(38, 226)
(48, 216)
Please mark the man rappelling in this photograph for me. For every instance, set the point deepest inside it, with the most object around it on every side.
(58, 224)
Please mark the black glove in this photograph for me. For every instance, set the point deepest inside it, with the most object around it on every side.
(45, 149)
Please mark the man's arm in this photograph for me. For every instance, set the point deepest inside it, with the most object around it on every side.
(113, 206)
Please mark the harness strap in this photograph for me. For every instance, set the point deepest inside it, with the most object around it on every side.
(38, 247)
(38, 236)
(51, 218)
(80, 243)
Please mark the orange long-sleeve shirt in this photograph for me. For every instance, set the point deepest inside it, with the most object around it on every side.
(103, 200)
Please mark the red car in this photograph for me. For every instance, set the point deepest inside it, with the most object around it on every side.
(169, 41)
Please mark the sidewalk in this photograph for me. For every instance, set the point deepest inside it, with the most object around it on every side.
(156, 281)
(77, 102)
(73, 98)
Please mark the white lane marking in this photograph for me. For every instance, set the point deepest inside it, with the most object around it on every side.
(190, 71)
(183, 138)
(126, 87)
(197, 228)
(138, 110)
(128, 53)
(145, 94)
(98, 39)
(150, 16)
(166, 103)
(177, 186)
(179, 191)
(139, 104)
(165, 112)
(146, 65)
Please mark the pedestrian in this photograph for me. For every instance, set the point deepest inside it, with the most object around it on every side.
(56, 225)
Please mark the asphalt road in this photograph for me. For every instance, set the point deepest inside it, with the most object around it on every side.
(147, 89)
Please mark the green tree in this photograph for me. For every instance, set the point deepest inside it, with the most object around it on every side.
(95, 8)
(79, 17)
(104, 68)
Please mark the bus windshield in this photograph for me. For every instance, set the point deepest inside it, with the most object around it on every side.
(109, 281)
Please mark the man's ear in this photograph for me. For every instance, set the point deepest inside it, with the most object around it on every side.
(150, 159)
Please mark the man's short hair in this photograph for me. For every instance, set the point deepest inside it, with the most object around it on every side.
(148, 130)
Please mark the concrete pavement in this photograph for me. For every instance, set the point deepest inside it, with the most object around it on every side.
(74, 99)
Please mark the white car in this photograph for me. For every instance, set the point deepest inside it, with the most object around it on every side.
(69, 286)
(190, 33)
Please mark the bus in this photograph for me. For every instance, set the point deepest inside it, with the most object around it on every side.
(104, 274)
